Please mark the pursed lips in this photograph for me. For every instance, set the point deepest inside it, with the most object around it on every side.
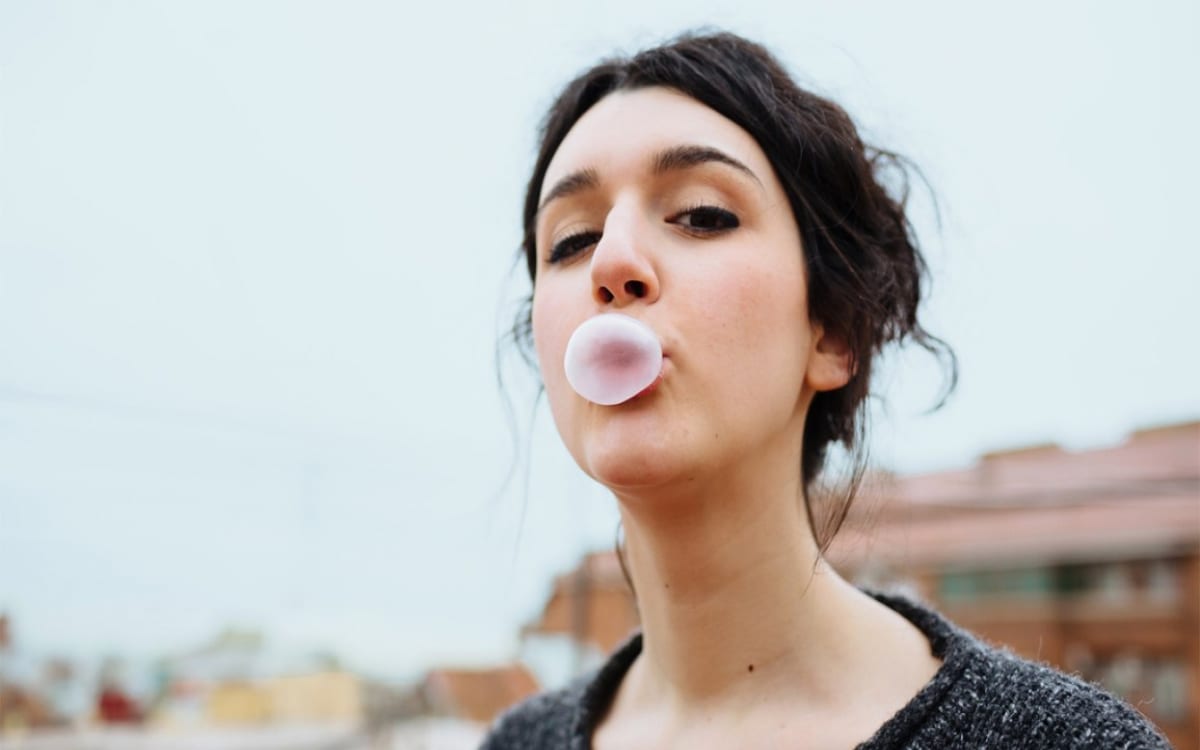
(654, 385)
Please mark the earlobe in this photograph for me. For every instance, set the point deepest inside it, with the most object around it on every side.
(832, 363)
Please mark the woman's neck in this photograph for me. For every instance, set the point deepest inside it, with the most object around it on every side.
(725, 584)
(738, 611)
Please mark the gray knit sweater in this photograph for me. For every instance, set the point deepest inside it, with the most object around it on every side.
(981, 697)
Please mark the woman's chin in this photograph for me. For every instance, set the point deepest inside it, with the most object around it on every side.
(639, 445)
(633, 465)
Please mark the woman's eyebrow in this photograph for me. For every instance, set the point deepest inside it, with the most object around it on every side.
(576, 182)
(672, 159)
(687, 156)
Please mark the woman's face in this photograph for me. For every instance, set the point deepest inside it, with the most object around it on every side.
(660, 208)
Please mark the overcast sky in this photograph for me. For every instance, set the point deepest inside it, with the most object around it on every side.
(254, 257)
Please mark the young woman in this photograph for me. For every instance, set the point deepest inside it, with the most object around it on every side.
(698, 190)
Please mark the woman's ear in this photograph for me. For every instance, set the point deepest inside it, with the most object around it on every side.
(831, 363)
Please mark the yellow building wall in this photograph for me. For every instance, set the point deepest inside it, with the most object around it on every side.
(327, 696)
(320, 697)
(238, 703)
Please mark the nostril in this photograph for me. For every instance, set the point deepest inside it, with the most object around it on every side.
(636, 288)
(606, 295)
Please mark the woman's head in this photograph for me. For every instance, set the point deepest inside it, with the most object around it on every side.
(696, 187)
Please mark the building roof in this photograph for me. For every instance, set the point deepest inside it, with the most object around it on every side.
(1036, 504)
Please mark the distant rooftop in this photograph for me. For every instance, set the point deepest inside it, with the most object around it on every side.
(1036, 503)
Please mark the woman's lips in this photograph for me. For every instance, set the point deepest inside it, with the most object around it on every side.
(654, 385)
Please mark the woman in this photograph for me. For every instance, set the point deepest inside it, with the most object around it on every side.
(698, 190)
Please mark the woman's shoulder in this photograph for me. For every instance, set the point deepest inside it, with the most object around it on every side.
(564, 718)
(986, 696)
(540, 721)
(1030, 704)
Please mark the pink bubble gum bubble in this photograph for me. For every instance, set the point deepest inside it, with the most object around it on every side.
(611, 358)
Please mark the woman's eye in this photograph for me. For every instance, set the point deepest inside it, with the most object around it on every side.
(700, 220)
(705, 219)
(571, 245)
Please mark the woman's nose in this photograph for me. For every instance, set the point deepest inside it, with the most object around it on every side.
(621, 271)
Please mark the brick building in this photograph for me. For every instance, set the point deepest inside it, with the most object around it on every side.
(476, 695)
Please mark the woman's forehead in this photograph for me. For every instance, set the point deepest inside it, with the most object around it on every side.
(621, 134)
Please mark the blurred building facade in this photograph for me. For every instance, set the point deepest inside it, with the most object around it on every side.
(238, 679)
(476, 695)
(1089, 561)
(235, 685)
(591, 610)
(24, 704)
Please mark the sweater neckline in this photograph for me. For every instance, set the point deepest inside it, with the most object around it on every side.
(954, 646)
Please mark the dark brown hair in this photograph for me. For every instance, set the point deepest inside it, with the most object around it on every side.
(865, 271)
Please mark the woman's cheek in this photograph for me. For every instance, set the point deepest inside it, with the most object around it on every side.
(551, 330)
(759, 318)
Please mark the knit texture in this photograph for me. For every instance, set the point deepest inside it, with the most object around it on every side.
(981, 697)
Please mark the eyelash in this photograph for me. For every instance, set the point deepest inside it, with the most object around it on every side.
(572, 244)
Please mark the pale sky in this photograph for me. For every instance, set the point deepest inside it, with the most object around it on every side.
(253, 256)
